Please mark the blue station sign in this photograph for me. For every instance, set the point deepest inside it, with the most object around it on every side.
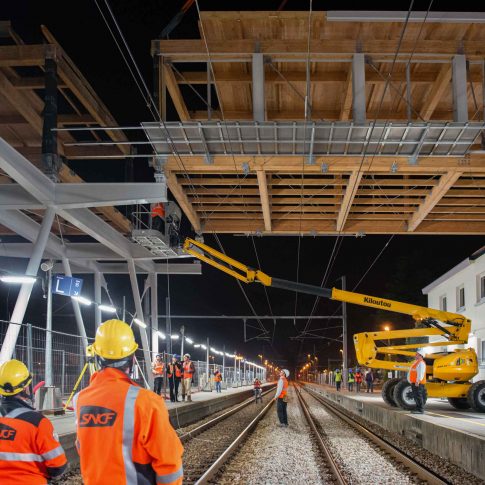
(66, 285)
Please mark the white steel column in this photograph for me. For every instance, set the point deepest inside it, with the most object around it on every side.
(358, 88)
(460, 101)
(75, 306)
(259, 109)
(139, 314)
(18, 314)
(97, 298)
(154, 310)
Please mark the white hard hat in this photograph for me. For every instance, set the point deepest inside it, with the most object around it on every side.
(286, 371)
(421, 352)
(187, 355)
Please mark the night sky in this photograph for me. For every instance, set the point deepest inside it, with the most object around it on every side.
(407, 264)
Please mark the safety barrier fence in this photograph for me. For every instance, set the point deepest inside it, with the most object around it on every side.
(69, 357)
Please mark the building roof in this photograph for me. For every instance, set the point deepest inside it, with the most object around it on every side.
(453, 271)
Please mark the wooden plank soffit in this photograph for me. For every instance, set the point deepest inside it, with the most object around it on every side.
(183, 201)
(436, 91)
(350, 191)
(263, 193)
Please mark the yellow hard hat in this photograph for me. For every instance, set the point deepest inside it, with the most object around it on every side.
(14, 377)
(114, 340)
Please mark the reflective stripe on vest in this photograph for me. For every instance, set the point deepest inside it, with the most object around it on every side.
(171, 477)
(285, 388)
(6, 456)
(17, 412)
(413, 374)
(128, 433)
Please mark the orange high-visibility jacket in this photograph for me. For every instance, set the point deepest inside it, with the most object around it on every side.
(284, 392)
(188, 369)
(157, 369)
(257, 384)
(218, 377)
(413, 373)
(158, 211)
(124, 435)
(170, 371)
(30, 451)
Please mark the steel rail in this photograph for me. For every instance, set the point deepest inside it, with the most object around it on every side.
(416, 468)
(205, 426)
(222, 460)
(321, 444)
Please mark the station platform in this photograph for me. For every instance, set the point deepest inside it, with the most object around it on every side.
(181, 414)
(447, 432)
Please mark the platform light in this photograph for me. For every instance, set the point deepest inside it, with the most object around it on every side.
(189, 340)
(81, 299)
(17, 279)
(161, 335)
(196, 346)
(107, 308)
(213, 350)
(140, 323)
(174, 337)
(203, 346)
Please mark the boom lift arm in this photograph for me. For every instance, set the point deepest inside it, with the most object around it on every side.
(456, 330)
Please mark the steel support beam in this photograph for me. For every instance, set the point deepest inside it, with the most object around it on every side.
(97, 299)
(18, 314)
(154, 310)
(139, 314)
(259, 104)
(121, 268)
(460, 101)
(75, 306)
(358, 88)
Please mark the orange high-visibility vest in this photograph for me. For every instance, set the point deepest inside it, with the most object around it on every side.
(158, 369)
(218, 377)
(124, 435)
(188, 370)
(30, 451)
(178, 372)
(257, 384)
(158, 211)
(413, 373)
(284, 392)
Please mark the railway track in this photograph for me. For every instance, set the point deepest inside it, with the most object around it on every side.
(417, 472)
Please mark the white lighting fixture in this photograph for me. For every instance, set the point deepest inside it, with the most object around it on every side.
(13, 279)
(81, 299)
(203, 346)
(161, 335)
(174, 337)
(140, 323)
(197, 346)
(107, 308)
(213, 350)
(189, 340)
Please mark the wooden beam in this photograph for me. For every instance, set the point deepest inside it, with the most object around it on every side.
(32, 83)
(437, 193)
(75, 119)
(350, 192)
(26, 55)
(175, 93)
(436, 91)
(183, 201)
(265, 204)
(347, 97)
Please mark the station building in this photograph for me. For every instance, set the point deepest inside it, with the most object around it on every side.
(462, 290)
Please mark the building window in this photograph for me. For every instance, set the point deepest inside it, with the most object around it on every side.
(460, 297)
(443, 303)
(481, 287)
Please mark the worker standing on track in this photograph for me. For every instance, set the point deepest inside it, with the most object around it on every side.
(158, 369)
(124, 435)
(30, 452)
(257, 390)
(338, 379)
(358, 379)
(281, 397)
(174, 374)
(417, 379)
(351, 380)
(188, 376)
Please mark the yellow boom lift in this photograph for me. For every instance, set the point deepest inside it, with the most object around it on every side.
(448, 374)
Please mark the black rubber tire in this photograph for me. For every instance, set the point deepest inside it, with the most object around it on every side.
(388, 392)
(403, 395)
(459, 402)
(476, 396)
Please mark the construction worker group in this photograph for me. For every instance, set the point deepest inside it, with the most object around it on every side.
(124, 435)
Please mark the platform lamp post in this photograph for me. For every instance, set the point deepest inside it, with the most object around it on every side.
(207, 365)
(182, 333)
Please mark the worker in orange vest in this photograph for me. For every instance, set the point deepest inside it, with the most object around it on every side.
(218, 380)
(257, 390)
(417, 379)
(188, 376)
(124, 435)
(30, 452)
(158, 217)
(174, 374)
(281, 397)
(158, 369)
(358, 376)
